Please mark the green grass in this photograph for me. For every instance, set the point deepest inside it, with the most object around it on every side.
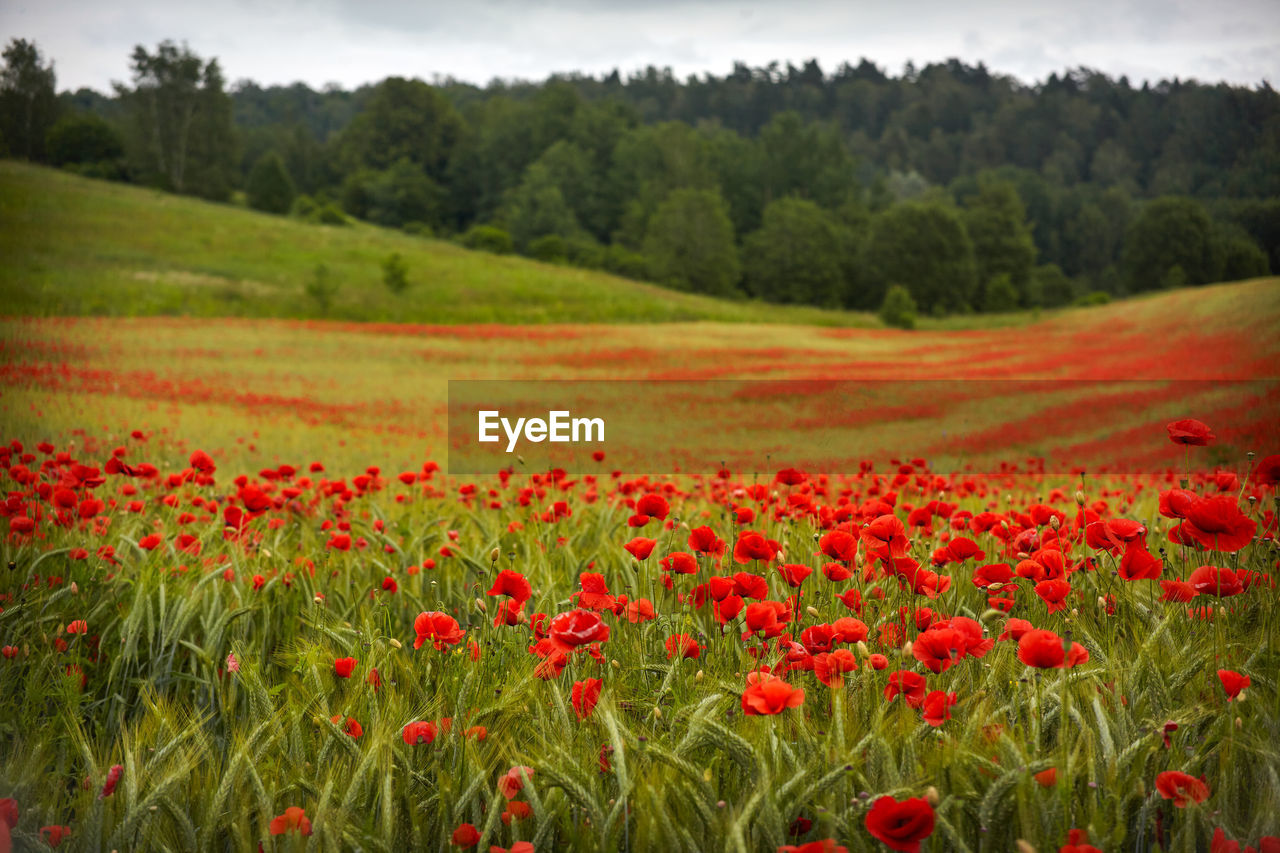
(76, 246)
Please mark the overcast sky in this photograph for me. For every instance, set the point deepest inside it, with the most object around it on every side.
(351, 42)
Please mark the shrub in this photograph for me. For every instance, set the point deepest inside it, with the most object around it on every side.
(321, 287)
(620, 260)
(418, 229)
(488, 238)
(549, 247)
(1001, 296)
(1093, 297)
(395, 273)
(303, 207)
(329, 214)
(270, 189)
(898, 309)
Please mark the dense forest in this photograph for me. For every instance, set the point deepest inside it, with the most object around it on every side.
(946, 188)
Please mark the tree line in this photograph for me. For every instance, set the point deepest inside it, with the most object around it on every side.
(970, 190)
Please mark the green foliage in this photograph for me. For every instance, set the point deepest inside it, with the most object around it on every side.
(303, 207)
(270, 188)
(1240, 257)
(402, 121)
(689, 243)
(1000, 295)
(536, 208)
(550, 248)
(898, 309)
(28, 103)
(391, 197)
(1050, 287)
(321, 287)
(84, 138)
(624, 262)
(182, 137)
(996, 222)
(1169, 233)
(328, 214)
(488, 238)
(395, 273)
(796, 256)
(924, 245)
(1093, 297)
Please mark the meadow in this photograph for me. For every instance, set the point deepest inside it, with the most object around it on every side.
(247, 605)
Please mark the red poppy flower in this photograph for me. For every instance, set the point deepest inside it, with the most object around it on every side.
(1267, 471)
(901, 825)
(1054, 593)
(55, 834)
(294, 819)
(1181, 788)
(466, 835)
(577, 628)
(1211, 580)
(511, 583)
(513, 782)
(768, 694)
(1140, 564)
(938, 648)
(1043, 650)
(909, 684)
(79, 626)
(830, 668)
(754, 546)
(640, 547)
(344, 667)
(1217, 524)
(594, 594)
(1179, 591)
(849, 630)
(995, 574)
(113, 778)
(937, 707)
(680, 563)
(746, 585)
(1047, 778)
(683, 645)
(878, 661)
(653, 505)
(794, 573)
(826, 845)
(704, 541)
(1233, 682)
(585, 696)
(441, 628)
(1190, 431)
(839, 545)
(419, 732)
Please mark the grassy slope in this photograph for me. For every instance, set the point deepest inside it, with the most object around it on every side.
(78, 246)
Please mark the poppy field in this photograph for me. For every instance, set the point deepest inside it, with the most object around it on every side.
(246, 606)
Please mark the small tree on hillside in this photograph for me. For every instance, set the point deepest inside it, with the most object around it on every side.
(395, 273)
(898, 309)
(322, 287)
(270, 188)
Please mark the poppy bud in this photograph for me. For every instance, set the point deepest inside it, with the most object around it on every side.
(319, 599)
(657, 712)
(480, 605)
(266, 552)
(395, 644)
(931, 796)
(812, 611)
(862, 649)
(1075, 611)
(1024, 846)
(720, 804)
(1102, 602)
(614, 663)
(494, 555)
(860, 560)
(697, 676)
(706, 775)
(1079, 498)
(906, 649)
(1239, 723)
(1055, 523)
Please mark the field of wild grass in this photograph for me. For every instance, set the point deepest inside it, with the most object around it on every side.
(244, 604)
